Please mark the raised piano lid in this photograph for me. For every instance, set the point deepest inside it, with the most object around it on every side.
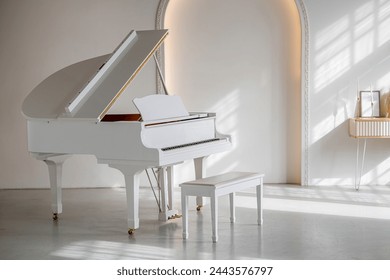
(86, 90)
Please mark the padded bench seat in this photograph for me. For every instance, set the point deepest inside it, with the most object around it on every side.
(219, 185)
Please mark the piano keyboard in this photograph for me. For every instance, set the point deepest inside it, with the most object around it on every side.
(190, 144)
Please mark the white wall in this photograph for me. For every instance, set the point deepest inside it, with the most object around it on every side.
(241, 59)
(39, 37)
(349, 41)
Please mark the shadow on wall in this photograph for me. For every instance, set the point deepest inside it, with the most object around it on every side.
(351, 53)
(377, 160)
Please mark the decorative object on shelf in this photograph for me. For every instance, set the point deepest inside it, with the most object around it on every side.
(370, 103)
(385, 103)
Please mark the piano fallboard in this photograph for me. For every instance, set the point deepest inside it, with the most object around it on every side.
(178, 133)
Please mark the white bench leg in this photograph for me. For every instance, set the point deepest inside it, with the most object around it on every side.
(200, 172)
(214, 217)
(259, 194)
(184, 207)
(232, 208)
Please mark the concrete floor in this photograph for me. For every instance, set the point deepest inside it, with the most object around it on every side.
(299, 223)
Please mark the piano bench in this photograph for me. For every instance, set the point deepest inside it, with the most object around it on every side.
(219, 185)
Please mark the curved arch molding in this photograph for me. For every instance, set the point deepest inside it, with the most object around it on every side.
(305, 116)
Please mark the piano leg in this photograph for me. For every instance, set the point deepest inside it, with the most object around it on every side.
(131, 174)
(166, 182)
(54, 165)
(200, 172)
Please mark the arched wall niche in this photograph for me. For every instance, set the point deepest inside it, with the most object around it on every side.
(304, 82)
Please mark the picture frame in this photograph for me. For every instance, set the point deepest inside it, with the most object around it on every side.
(370, 103)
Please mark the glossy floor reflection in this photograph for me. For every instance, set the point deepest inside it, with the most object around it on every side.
(299, 223)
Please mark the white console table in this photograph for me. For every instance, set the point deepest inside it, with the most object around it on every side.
(367, 128)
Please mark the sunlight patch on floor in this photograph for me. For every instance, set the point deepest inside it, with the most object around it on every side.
(102, 250)
(337, 201)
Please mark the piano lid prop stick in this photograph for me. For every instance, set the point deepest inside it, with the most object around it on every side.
(160, 74)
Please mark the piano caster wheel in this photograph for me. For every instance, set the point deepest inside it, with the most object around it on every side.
(198, 207)
(130, 231)
(174, 217)
(55, 216)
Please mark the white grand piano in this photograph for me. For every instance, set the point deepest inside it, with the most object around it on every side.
(67, 114)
